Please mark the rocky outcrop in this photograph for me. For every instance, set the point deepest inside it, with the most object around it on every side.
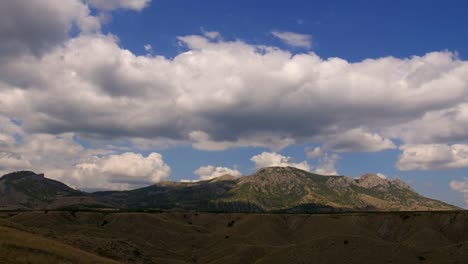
(372, 181)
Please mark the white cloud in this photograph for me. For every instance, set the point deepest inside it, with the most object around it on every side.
(120, 4)
(313, 153)
(327, 164)
(442, 126)
(359, 140)
(187, 180)
(462, 187)
(273, 159)
(8, 133)
(381, 175)
(214, 35)
(223, 94)
(210, 172)
(119, 172)
(148, 48)
(433, 156)
(9, 161)
(294, 39)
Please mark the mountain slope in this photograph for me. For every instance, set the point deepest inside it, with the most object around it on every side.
(278, 188)
(28, 190)
(273, 189)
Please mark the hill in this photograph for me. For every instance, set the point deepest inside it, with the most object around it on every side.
(26, 189)
(184, 237)
(273, 189)
(291, 189)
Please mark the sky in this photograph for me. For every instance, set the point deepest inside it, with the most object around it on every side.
(120, 94)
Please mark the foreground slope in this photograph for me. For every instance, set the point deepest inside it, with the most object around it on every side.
(20, 245)
(415, 237)
(274, 189)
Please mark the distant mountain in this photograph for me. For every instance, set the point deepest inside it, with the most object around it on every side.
(28, 190)
(290, 189)
(273, 189)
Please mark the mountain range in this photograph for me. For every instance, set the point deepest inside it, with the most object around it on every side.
(272, 189)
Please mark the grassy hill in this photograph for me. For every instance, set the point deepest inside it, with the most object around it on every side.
(104, 237)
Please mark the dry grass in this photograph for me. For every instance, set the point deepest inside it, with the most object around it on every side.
(64, 237)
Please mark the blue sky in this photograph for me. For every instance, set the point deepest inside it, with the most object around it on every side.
(372, 86)
(354, 30)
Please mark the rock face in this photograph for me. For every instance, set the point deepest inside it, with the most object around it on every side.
(372, 181)
(274, 189)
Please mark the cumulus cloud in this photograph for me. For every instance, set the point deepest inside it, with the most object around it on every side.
(119, 172)
(148, 48)
(9, 161)
(214, 35)
(327, 164)
(313, 153)
(380, 175)
(120, 4)
(442, 126)
(36, 25)
(273, 159)
(433, 156)
(62, 158)
(359, 140)
(210, 172)
(462, 187)
(224, 94)
(294, 39)
(326, 161)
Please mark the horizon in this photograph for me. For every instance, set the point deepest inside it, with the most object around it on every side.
(124, 94)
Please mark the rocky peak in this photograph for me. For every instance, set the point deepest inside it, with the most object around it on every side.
(401, 184)
(15, 176)
(277, 180)
(371, 181)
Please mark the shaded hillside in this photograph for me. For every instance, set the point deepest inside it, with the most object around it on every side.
(57, 237)
(274, 189)
(26, 189)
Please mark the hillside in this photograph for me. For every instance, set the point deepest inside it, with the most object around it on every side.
(274, 189)
(292, 190)
(105, 237)
(28, 190)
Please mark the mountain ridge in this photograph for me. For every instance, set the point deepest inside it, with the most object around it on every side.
(271, 189)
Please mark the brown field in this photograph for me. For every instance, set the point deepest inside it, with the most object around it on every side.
(110, 237)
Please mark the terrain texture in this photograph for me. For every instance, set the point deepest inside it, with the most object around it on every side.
(110, 237)
(274, 189)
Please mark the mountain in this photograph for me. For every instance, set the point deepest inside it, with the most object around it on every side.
(290, 189)
(28, 190)
(273, 189)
